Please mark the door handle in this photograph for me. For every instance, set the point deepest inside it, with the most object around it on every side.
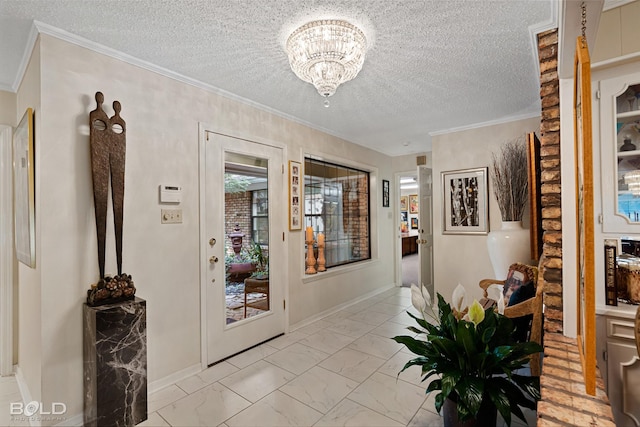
(213, 259)
(212, 241)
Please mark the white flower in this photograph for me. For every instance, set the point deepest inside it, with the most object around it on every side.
(458, 300)
(501, 303)
(475, 314)
(417, 299)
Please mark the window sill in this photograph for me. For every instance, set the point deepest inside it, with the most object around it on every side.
(337, 271)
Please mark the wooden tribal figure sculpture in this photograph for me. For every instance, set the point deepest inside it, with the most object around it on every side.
(108, 146)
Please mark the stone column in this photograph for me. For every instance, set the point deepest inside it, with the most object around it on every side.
(115, 364)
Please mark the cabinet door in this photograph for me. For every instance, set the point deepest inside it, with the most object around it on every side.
(620, 148)
(624, 382)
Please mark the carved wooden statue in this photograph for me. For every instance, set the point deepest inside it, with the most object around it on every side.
(108, 146)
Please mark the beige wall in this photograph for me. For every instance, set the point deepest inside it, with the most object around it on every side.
(162, 118)
(464, 259)
(8, 108)
(618, 33)
(31, 318)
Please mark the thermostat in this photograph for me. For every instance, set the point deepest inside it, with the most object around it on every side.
(170, 193)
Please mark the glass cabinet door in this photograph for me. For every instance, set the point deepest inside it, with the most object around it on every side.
(620, 143)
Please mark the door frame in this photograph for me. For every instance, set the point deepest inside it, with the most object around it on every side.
(203, 130)
(396, 222)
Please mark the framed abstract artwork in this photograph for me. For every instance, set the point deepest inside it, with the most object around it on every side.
(465, 201)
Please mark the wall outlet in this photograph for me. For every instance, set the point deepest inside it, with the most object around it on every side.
(171, 216)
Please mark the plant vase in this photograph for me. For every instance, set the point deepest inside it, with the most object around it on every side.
(508, 245)
(487, 416)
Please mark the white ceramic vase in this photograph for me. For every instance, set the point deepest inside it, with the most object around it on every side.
(508, 245)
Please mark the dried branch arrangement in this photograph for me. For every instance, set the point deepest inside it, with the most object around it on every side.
(510, 180)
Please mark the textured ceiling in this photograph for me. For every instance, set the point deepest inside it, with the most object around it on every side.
(433, 65)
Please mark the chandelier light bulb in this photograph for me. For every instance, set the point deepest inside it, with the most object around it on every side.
(326, 54)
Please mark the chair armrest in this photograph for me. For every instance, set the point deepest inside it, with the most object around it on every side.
(485, 283)
(521, 309)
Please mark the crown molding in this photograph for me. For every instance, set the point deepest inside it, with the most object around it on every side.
(26, 56)
(50, 30)
(612, 4)
(485, 124)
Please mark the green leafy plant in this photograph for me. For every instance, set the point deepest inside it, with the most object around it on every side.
(470, 356)
(261, 261)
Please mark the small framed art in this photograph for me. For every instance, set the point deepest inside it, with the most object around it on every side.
(295, 195)
(385, 193)
(24, 190)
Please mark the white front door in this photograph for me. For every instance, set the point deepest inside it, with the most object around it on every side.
(243, 194)
(425, 230)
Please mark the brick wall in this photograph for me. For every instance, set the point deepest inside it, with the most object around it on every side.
(551, 260)
(237, 210)
(564, 401)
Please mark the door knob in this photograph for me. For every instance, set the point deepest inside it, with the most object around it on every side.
(212, 241)
(213, 259)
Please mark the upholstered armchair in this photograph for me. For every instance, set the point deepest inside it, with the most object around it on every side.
(523, 303)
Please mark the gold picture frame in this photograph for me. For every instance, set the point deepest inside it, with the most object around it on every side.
(296, 198)
(586, 316)
(24, 190)
(404, 203)
(413, 204)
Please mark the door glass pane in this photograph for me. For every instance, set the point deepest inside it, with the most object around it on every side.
(628, 152)
(246, 207)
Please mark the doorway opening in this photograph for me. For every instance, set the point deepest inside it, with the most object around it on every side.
(409, 222)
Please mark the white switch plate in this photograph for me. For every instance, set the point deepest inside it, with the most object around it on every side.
(171, 216)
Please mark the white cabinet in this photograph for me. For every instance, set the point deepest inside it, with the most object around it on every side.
(619, 362)
(620, 151)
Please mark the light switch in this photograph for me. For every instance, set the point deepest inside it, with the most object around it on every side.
(171, 216)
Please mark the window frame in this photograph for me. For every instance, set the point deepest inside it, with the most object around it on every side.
(352, 172)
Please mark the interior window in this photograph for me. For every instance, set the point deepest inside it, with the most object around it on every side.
(336, 203)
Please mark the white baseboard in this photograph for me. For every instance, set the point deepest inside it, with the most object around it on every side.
(173, 378)
(332, 310)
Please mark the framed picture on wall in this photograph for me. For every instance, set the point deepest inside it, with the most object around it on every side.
(24, 190)
(413, 203)
(295, 195)
(414, 223)
(385, 193)
(404, 203)
(585, 229)
(465, 201)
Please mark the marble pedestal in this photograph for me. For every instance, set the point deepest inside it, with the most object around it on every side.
(115, 364)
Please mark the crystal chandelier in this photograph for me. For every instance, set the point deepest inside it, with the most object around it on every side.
(326, 53)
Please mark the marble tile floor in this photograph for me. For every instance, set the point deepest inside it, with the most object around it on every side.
(337, 371)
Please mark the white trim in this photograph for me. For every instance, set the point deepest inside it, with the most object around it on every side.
(541, 27)
(612, 4)
(173, 378)
(484, 124)
(7, 255)
(24, 392)
(204, 344)
(337, 308)
(614, 62)
(26, 57)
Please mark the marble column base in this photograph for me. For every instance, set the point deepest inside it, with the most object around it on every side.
(115, 364)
